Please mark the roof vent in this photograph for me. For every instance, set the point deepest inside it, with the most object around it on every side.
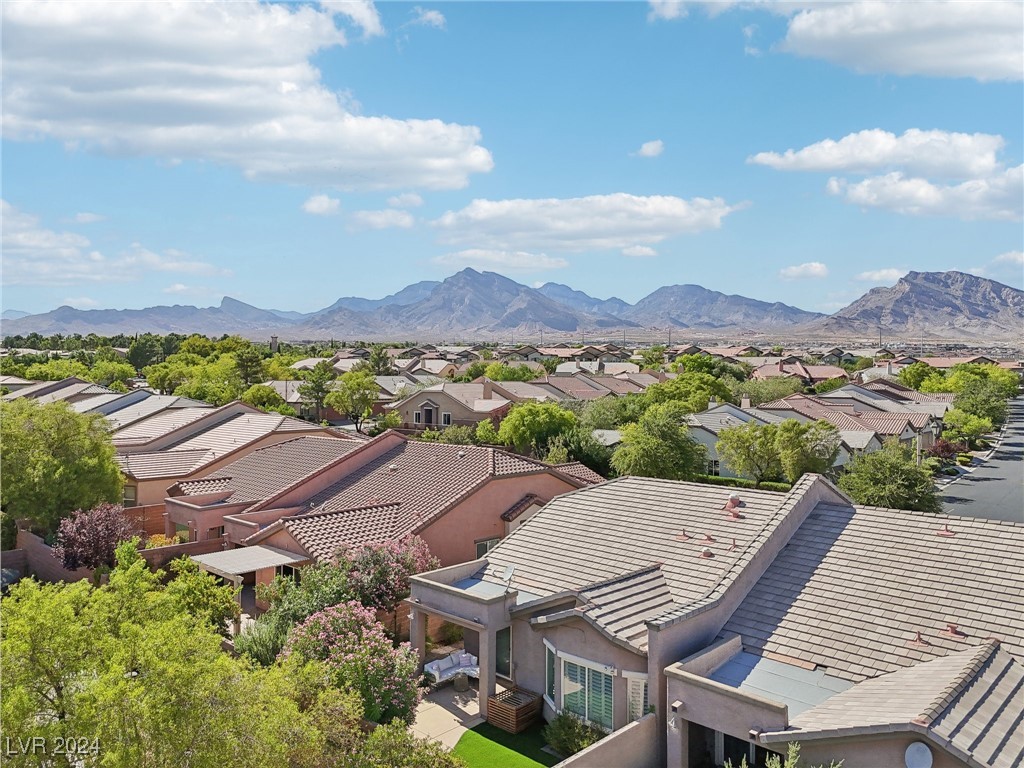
(682, 535)
(706, 553)
(708, 538)
(919, 640)
(462, 454)
(952, 630)
(733, 545)
(945, 531)
(392, 467)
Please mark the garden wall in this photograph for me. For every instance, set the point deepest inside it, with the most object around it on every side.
(149, 518)
(40, 562)
(636, 745)
(159, 557)
(14, 558)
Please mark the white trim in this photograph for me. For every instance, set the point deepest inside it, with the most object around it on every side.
(417, 417)
(596, 665)
(630, 674)
(443, 415)
(549, 646)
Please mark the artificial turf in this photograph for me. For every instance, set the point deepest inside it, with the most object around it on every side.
(488, 747)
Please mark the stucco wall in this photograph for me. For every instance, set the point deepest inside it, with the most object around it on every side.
(871, 751)
(633, 746)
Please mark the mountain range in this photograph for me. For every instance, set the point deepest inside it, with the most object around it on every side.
(485, 305)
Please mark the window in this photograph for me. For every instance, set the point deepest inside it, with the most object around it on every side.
(549, 674)
(713, 467)
(503, 652)
(289, 572)
(587, 692)
(446, 419)
(417, 417)
(485, 546)
(216, 533)
(636, 703)
(130, 497)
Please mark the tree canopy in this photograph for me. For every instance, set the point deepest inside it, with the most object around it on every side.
(317, 384)
(890, 477)
(54, 460)
(659, 445)
(530, 425)
(353, 395)
(751, 450)
(693, 390)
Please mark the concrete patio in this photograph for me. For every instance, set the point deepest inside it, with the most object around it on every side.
(446, 714)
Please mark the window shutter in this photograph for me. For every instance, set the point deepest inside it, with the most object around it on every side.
(637, 701)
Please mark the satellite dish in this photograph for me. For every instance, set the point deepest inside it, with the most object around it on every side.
(918, 755)
(510, 571)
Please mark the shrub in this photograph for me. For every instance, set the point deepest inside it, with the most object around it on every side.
(360, 656)
(448, 633)
(742, 482)
(568, 734)
(159, 540)
(8, 532)
(262, 640)
(964, 459)
(945, 450)
(88, 538)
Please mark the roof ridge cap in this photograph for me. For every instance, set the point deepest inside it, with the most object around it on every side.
(621, 577)
(321, 512)
(982, 654)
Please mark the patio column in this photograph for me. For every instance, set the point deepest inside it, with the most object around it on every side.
(487, 658)
(418, 632)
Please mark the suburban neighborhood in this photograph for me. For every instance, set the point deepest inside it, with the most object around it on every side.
(512, 385)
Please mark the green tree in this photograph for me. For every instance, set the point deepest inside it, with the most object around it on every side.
(659, 445)
(144, 351)
(829, 384)
(54, 461)
(804, 448)
(55, 370)
(379, 361)
(354, 395)
(964, 427)
(486, 434)
(914, 374)
(612, 412)
(530, 425)
(474, 371)
(317, 384)
(196, 345)
(202, 595)
(653, 357)
(890, 477)
(166, 377)
(766, 390)
(982, 398)
(712, 366)
(266, 398)
(505, 372)
(751, 450)
(249, 365)
(106, 373)
(693, 390)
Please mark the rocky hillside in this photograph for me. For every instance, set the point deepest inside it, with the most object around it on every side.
(691, 306)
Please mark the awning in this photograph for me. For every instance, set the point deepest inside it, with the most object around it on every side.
(242, 560)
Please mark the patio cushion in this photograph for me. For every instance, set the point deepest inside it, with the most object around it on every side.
(446, 663)
(466, 660)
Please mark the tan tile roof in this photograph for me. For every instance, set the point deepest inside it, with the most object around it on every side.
(855, 585)
(268, 470)
(151, 406)
(157, 464)
(969, 701)
(621, 606)
(322, 534)
(161, 423)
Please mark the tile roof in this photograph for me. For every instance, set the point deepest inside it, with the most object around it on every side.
(620, 606)
(969, 701)
(524, 390)
(158, 424)
(470, 395)
(322, 534)
(521, 506)
(854, 585)
(580, 471)
(156, 464)
(262, 473)
(151, 406)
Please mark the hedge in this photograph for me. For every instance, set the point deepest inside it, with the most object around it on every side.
(742, 482)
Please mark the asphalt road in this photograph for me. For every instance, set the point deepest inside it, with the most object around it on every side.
(995, 489)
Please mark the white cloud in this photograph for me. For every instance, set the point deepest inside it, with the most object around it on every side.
(888, 275)
(1013, 258)
(363, 13)
(650, 149)
(577, 224)
(386, 219)
(942, 38)
(931, 153)
(177, 288)
(507, 261)
(999, 197)
(405, 200)
(228, 82)
(639, 251)
(810, 270)
(34, 255)
(81, 302)
(428, 17)
(88, 218)
(322, 205)
(678, 9)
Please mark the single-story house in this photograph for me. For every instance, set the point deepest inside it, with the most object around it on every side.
(446, 404)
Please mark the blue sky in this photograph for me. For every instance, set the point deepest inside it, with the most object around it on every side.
(289, 154)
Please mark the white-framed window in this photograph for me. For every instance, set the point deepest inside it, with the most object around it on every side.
(588, 692)
(446, 419)
(417, 417)
(636, 695)
(714, 468)
(485, 545)
(550, 665)
(129, 496)
(289, 572)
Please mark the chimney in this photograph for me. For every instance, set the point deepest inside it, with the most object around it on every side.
(888, 369)
(488, 390)
(273, 345)
(781, 368)
(745, 402)
(712, 401)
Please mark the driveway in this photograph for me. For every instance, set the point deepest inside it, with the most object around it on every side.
(995, 489)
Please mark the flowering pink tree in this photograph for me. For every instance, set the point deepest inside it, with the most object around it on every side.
(355, 647)
(88, 538)
(379, 573)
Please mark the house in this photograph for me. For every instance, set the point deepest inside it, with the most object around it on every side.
(575, 387)
(70, 390)
(14, 383)
(739, 618)
(182, 443)
(308, 499)
(446, 404)
(837, 356)
(809, 375)
(435, 366)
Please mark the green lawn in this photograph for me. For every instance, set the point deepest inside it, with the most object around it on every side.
(488, 747)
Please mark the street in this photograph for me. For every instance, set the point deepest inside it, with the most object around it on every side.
(995, 489)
